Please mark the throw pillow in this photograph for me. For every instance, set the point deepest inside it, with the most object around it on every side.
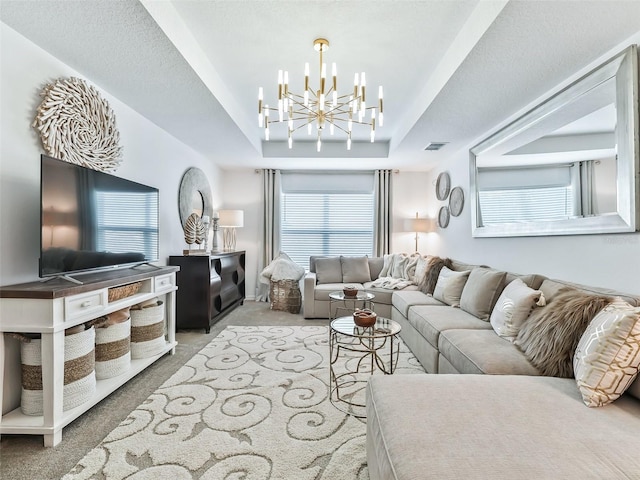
(410, 267)
(450, 285)
(421, 269)
(550, 335)
(481, 291)
(434, 265)
(329, 270)
(607, 358)
(513, 307)
(355, 269)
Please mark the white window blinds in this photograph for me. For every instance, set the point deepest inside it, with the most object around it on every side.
(121, 227)
(326, 215)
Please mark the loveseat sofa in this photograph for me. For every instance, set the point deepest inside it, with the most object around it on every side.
(331, 274)
(504, 419)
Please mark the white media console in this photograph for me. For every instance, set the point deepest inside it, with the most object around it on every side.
(51, 307)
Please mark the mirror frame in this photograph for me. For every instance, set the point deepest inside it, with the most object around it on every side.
(193, 180)
(624, 68)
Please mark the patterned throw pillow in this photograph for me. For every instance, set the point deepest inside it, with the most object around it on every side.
(607, 358)
(513, 307)
(450, 285)
(421, 269)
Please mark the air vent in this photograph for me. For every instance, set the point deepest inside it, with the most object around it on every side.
(435, 146)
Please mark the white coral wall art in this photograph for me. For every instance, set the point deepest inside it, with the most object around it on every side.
(77, 125)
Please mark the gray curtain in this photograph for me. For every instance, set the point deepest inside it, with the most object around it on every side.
(587, 200)
(270, 227)
(382, 218)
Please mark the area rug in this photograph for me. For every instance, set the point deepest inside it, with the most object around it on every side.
(253, 404)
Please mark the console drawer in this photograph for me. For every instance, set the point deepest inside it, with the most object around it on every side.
(78, 306)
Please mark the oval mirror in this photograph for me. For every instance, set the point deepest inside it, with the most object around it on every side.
(194, 195)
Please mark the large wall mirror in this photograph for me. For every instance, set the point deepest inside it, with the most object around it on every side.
(568, 166)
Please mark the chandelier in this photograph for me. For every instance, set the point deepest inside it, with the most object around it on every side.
(322, 106)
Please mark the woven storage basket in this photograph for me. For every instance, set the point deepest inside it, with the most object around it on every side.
(79, 372)
(147, 330)
(123, 291)
(285, 295)
(113, 350)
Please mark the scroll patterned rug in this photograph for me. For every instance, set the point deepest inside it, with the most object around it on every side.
(253, 404)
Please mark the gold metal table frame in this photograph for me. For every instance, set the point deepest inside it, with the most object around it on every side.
(363, 351)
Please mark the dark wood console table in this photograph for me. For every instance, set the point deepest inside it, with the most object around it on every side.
(208, 287)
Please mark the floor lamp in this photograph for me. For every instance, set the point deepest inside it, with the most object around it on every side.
(230, 220)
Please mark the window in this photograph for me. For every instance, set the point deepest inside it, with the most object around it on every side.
(332, 222)
(121, 227)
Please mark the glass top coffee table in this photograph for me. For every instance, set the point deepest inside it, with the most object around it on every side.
(355, 353)
(349, 303)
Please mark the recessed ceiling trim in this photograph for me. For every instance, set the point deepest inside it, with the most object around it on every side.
(470, 34)
(171, 23)
(280, 149)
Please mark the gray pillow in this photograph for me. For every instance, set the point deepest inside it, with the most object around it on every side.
(329, 270)
(449, 286)
(355, 269)
(481, 291)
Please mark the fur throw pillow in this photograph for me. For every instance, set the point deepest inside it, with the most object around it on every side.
(428, 282)
(550, 335)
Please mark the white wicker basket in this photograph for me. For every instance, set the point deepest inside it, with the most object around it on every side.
(79, 372)
(113, 350)
(147, 330)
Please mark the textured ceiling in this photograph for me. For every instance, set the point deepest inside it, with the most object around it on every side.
(451, 71)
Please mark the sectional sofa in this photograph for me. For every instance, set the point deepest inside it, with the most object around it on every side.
(513, 423)
(503, 419)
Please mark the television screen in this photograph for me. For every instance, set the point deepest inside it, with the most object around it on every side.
(92, 220)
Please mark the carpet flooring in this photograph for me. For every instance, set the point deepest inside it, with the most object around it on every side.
(249, 400)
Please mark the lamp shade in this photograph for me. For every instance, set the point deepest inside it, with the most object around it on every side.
(231, 218)
(422, 225)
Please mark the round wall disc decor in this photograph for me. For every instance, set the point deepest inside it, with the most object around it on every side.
(456, 201)
(443, 217)
(78, 126)
(443, 184)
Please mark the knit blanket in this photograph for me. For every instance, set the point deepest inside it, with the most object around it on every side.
(391, 283)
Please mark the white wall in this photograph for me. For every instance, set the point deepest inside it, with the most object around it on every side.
(151, 156)
(610, 261)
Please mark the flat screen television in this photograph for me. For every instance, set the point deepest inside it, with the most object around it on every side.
(92, 220)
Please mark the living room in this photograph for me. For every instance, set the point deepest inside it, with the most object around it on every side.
(518, 53)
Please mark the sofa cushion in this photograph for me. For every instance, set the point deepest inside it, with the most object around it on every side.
(453, 426)
(551, 334)
(433, 319)
(355, 269)
(608, 355)
(404, 299)
(481, 291)
(512, 308)
(322, 291)
(450, 285)
(482, 351)
(550, 289)
(385, 295)
(532, 281)
(375, 266)
(329, 270)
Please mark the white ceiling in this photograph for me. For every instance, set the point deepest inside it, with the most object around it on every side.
(451, 70)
